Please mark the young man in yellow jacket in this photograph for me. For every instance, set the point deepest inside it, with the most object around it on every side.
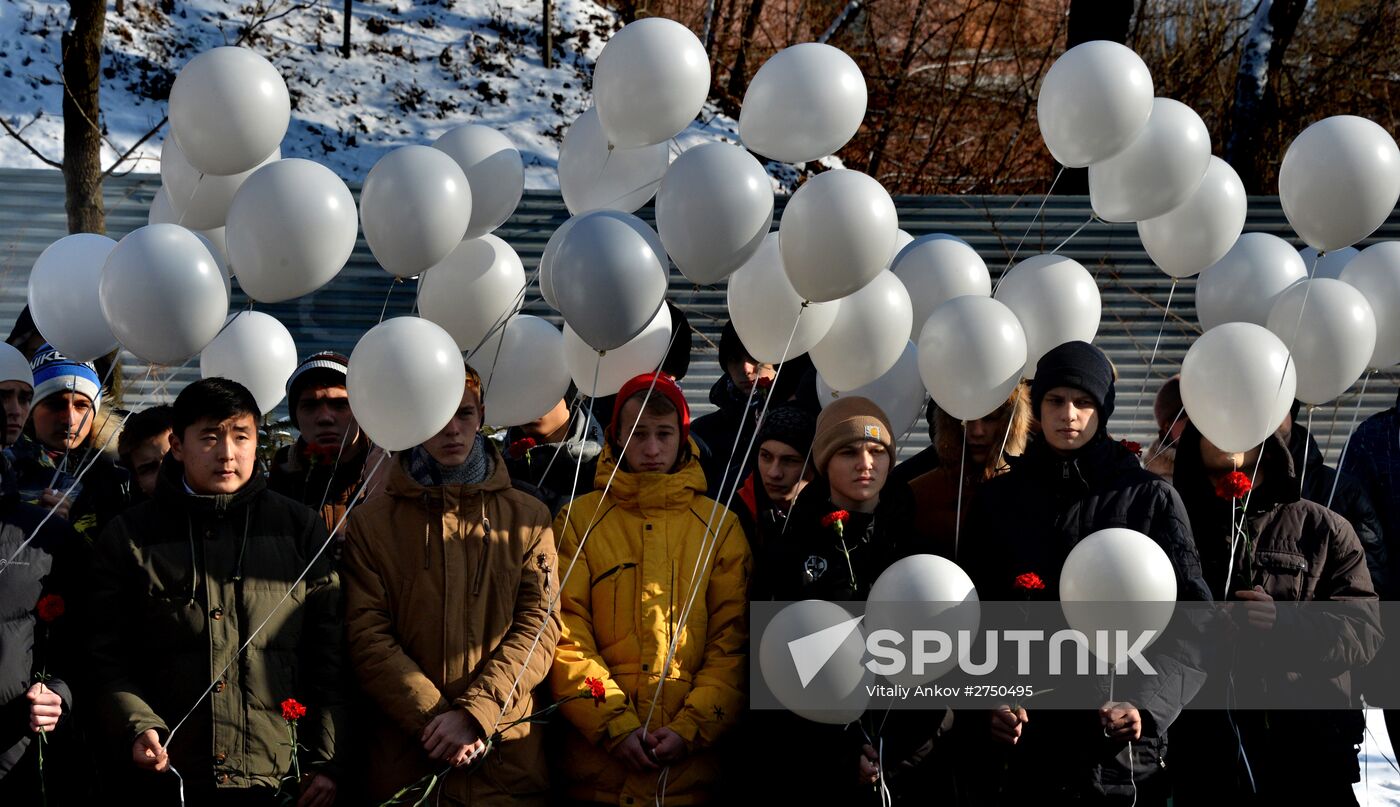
(449, 573)
(649, 547)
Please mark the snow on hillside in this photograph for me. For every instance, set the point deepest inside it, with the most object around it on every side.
(416, 70)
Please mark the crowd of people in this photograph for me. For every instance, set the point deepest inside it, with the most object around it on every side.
(558, 613)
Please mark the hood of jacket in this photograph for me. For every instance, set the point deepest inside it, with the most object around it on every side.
(1100, 462)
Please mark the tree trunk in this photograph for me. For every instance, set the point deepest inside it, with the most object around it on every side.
(82, 140)
(345, 38)
(1256, 103)
(738, 78)
(548, 44)
(1090, 20)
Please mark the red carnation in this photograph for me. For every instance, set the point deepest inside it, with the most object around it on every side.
(1132, 446)
(521, 447)
(50, 607)
(292, 710)
(838, 517)
(1234, 485)
(1030, 581)
(596, 690)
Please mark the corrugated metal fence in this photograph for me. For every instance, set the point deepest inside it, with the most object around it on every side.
(1134, 291)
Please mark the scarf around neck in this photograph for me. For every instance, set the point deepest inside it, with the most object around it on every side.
(427, 472)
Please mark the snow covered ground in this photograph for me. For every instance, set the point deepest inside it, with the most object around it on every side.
(1380, 778)
(417, 69)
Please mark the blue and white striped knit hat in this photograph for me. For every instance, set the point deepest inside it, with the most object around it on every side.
(56, 373)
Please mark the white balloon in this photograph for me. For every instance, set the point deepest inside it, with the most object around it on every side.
(1056, 301)
(218, 253)
(257, 351)
(650, 82)
(924, 592)
(200, 200)
(1330, 265)
(868, 336)
(935, 269)
(595, 176)
(291, 229)
(713, 211)
(971, 355)
(162, 294)
(899, 392)
(1241, 286)
(523, 370)
(545, 275)
(767, 312)
(804, 103)
(616, 367)
(1094, 101)
(495, 173)
(405, 382)
(160, 211)
(64, 298)
(835, 692)
(229, 108)
(414, 209)
(1199, 232)
(1158, 171)
(1237, 385)
(1118, 580)
(1339, 181)
(1331, 331)
(1376, 274)
(473, 291)
(837, 233)
(608, 278)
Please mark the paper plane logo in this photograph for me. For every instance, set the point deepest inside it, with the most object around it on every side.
(810, 653)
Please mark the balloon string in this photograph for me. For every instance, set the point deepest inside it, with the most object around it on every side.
(385, 309)
(1147, 376)
(1166, 443)
(193, 192)
(702, 559)
(578, 466)
(1081, 227)
(330, 537)
(77, 480)
(1238, 530)
(1303, 472)
(1029, 227)
(583, 541)
(1351, 430)
(962, 474)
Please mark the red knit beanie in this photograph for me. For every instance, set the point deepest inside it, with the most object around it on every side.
(665, 386)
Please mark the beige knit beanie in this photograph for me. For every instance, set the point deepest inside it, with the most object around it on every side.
(847, 420)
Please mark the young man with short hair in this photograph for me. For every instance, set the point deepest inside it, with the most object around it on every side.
(60, 444)
(181, 583)
(646, 547)
(449, 576)
(555, 454)
(143, 443)
(326, 465)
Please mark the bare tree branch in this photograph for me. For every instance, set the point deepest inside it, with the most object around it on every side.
(17, 136)
(127, 154)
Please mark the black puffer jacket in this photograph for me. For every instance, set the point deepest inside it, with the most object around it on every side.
(733, 420)
(31, 647)
(1351, 502)
(104, 490)
(179, 584)
(1028, 520)
(1301, 552)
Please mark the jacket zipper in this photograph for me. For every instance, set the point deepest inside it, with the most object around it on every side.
(485, 549)
(426, 530)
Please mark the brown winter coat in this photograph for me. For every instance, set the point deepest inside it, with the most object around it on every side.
(447, 587)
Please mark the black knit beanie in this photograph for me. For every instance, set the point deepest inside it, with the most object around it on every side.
(1079, 365)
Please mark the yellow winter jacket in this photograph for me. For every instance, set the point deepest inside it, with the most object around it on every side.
(621, 605)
